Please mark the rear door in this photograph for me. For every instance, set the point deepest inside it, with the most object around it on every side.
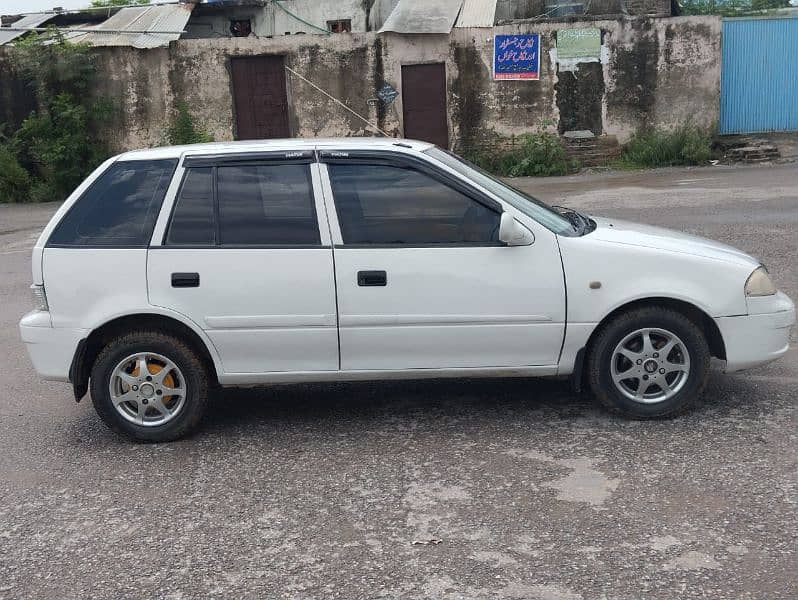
(422, 279)
(245, 258)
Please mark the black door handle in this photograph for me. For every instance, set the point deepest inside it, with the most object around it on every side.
(184, 280)
(372, 278)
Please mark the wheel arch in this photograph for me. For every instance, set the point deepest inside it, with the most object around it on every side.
(89, 348)
(696, 314)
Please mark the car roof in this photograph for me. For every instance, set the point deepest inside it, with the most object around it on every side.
(348, 143)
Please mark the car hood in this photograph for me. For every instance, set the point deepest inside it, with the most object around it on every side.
(617, 231)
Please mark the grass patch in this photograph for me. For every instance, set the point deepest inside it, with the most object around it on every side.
(683, 146)
(539, 154)
(183, 129)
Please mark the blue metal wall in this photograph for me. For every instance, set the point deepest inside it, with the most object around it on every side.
(759, 75)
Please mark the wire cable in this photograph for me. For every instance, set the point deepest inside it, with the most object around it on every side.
(337, 101)
(300, 19)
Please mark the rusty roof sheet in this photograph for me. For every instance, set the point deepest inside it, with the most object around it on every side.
(12, 32)
(140, 27)
(477, 13)
(423, 16)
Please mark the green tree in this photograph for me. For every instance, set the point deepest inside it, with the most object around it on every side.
(57, 144)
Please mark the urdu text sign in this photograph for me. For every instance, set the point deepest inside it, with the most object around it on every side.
(516, 56)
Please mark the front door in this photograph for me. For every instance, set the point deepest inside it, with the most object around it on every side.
(244, 257)
(424, 103)
(422, 279)
(261, 103)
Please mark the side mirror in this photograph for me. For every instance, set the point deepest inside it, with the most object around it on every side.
(512, 233)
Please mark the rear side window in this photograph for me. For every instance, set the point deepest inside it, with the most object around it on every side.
(261, 205)
(119, 209)
(192, 222)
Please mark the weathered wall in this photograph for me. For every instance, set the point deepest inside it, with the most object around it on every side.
(653, 72)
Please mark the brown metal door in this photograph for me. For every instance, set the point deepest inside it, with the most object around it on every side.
(424, 103)
(261, 103)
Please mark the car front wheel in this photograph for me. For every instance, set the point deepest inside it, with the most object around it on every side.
(150, 386)
(650, 362)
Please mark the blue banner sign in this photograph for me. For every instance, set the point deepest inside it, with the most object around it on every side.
(516, 56)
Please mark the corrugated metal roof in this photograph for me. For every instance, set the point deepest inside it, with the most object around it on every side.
(162, 24)
(31, 20)
(477, 13)
(423, 16)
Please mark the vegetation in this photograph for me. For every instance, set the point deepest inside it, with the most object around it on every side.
(57, 145)
(539, 154)
(183, 130)
(730, 7)
(684, 145)
(14, 180)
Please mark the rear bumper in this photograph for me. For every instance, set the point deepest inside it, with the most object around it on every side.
(757, 339)
(50, 349)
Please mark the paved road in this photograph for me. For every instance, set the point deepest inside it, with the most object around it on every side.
(319, 491)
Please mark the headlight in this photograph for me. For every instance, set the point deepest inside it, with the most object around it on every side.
(39, 297)
(759, 284)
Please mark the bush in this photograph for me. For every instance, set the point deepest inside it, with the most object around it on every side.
(540, 154)
(685, 145)
(183, 130)
(14, 180)
(57, 144)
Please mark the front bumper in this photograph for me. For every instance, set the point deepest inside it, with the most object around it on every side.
(50, 349)
(757, 339)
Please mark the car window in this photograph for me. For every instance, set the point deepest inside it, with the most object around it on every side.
(119, 208)
(387, 204)
(266, 205)
(540, 211)
(193, 223)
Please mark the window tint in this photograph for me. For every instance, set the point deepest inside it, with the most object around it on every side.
(119, 208)
(382, 204)
(192, 221)
(540, 211)
(266, 205)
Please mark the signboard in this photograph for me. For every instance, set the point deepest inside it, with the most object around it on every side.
(387, 93)
(579, 43)
(516, 56)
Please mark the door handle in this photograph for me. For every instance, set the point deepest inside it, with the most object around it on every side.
(185, 280)
(372, 278)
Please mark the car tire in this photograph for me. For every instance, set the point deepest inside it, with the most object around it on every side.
(136, 403)
(633, 378)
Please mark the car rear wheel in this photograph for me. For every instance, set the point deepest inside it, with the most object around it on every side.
(650, 362)
(150, 386)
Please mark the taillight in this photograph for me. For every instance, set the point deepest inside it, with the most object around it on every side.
(39, 297)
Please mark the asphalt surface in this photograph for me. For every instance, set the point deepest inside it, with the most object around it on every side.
(320, 491)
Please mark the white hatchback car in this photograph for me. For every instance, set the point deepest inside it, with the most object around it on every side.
(173, 270)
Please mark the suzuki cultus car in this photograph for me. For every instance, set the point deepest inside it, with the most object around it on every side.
(172, 271)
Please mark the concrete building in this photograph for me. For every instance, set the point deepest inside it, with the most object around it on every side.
(408, 68)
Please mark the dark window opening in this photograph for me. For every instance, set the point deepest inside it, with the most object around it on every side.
(255, 205)
(340, 26)
(240, 27)
(192, 220)
(266, 205)
(383, 204)
(119, 208)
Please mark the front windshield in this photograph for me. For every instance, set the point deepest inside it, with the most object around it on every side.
(541, 212)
